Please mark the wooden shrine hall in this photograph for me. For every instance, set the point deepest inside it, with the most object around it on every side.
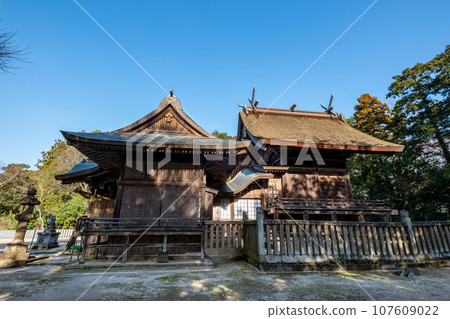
(306, 154)
(163, 186)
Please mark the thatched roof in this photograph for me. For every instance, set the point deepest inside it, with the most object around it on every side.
(296, 128)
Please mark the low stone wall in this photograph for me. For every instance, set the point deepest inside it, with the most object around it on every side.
(9, 234)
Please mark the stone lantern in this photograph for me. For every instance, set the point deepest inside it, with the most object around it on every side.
(15, 253)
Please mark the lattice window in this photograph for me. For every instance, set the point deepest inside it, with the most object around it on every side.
(249, 205)
(240, 205)
(225, 209)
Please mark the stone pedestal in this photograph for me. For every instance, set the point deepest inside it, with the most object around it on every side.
(46, 240)
(49, 237)
(15, 253)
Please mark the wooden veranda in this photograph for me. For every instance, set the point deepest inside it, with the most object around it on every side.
(160, 235)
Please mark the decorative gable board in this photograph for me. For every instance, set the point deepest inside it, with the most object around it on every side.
(168, 118)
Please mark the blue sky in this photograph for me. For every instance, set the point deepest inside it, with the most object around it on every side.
(210, 52)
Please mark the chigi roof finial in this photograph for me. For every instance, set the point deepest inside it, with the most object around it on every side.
(253, 103)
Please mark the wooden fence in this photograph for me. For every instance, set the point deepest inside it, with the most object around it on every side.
(289, 241)
(297, 241)
(223, 237)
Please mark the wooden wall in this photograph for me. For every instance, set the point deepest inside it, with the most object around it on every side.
(170, 190)
(303, 185)
(332, 184)
(102, 208)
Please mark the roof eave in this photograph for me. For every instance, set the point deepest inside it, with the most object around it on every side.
(354, 148)
(72, 137)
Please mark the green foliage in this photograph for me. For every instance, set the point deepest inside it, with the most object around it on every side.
(8, 222)
(14, 183)
(60, 200)
(418, 179)
(58, 160)
(223, 136)
(70, 211)
(51, 156)
(422, 109)
(35, 223)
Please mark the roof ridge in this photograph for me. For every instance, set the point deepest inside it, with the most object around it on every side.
(170, 101)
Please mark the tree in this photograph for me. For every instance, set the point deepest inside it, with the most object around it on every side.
(14, 183)
(9, 52)
(368, 174)
(372, 116)
(58, 160)
(422, 109)
(417, 179)
(70, 211)
(223, 136)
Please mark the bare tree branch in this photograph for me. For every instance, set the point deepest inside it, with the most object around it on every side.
(9, 52)
(9, 179)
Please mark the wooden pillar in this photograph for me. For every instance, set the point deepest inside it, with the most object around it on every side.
(387, 218)
(334, 217)
(202, 248)
(305, 215)
(362, 218)
(90, 202)
(84, 247)
(118, 205)
(125, 249)
(260, 233)
(404, 215)
(232, 208)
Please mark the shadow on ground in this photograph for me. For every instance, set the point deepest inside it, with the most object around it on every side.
(56, 279)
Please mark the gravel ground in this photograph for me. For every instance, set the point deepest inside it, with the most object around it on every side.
(56, 279)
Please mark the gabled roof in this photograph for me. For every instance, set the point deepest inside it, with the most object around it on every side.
(168, 118)
(167, 126)
(108, 149)
(298, 128)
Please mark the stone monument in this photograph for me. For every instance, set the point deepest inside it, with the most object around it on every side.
(49, 237)
(15, 253)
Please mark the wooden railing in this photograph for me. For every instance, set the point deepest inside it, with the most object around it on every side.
(305, 206)
(223, 237)
(328, 203)
(139, 230)
(137, 224)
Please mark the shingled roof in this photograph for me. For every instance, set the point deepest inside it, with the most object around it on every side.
(295, 128)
